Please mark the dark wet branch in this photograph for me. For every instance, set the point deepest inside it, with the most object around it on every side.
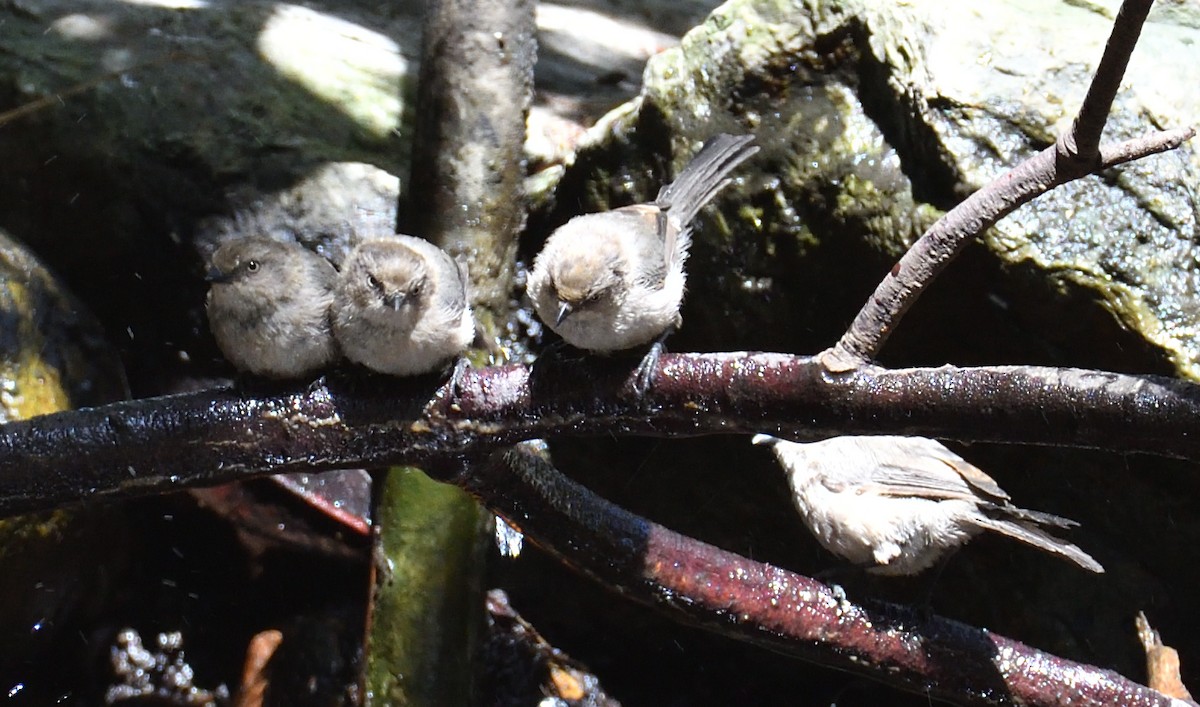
(163, 444)
(778, 609)
(1076, 154)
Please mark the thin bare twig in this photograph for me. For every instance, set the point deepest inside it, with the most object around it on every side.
(1119, 153)
(59, 97)
(778, 609)
(1076, 154)
(1082, 142)
(162, 444)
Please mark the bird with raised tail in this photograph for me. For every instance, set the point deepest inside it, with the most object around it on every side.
(614, 280)
(401, 307)
(898, 504)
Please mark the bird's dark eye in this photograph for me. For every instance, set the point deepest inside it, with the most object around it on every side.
(373, 283)
(252, 265)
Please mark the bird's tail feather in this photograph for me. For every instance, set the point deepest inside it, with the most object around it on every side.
(1040, 539)
(701, 179)
(1009, 511)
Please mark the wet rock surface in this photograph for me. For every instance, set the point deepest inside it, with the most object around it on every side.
(181, 126)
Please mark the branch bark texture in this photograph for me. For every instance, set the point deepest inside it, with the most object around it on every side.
(162, 444)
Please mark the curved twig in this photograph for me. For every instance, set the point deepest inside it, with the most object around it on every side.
(1076, 154)
(934, 250)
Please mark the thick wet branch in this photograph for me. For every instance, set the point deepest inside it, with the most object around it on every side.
(1076, 154)
(778, 609)
(163, 444)
(466, 188)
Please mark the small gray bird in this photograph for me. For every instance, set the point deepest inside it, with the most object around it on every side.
(614, 280)
(401, 306)
(268, 307)
(900, 503)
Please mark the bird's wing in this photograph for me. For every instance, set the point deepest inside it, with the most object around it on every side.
(459, 296)
(676, 241)
(889, 465)
(644, 235)
(919, 478)
(923, 466)
(914, 467)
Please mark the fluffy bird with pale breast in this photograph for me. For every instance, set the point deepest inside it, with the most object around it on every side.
(268, 307)
(899, 504)
(614, 280)
(401, 306)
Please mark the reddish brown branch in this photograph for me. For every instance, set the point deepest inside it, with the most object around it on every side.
(163, 444)
(934, 250)
(778, 609)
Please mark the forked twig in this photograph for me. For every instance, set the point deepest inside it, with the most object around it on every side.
(1076, 154)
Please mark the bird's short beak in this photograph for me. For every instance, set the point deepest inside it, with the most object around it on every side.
(215, 275)
(393, 301)
(564, 310)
